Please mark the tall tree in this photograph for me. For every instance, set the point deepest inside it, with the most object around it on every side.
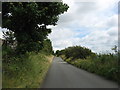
(29, 20)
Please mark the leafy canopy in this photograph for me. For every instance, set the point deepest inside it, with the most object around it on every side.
(29, 21)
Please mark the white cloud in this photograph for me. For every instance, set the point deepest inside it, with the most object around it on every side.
(1, 31)
(87, 14)
(95, 15)
(61, 37)
(97, 41)
(100, 41)
(108, 22)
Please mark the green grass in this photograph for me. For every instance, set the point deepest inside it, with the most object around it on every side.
(105, 65)
(27, 71)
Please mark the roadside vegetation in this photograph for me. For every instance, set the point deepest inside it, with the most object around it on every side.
(26, 50)
(26, 71)
(105, 65)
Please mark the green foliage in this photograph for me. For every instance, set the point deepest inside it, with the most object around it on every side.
(76, 52)
(106, 65)
(47, 47)
(25, 71)
(58, 52)
(29, 20)
(26, 45)
(103, 64)
(7, 52)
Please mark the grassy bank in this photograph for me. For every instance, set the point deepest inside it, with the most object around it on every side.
(26, 71)
(105, 65)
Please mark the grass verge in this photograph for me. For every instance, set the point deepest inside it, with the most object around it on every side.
(103, 65)
(27, 71)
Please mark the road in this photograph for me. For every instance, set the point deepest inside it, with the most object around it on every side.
(64, 75)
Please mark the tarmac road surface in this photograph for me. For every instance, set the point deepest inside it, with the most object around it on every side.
(64, 75)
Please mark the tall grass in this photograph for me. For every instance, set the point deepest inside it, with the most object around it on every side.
(104, 64)
(27, 71)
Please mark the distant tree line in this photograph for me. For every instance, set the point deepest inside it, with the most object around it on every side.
(75, 52)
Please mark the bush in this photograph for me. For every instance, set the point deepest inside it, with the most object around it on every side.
(76, 52)
(105, 65)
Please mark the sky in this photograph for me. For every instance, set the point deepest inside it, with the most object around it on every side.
(89, 23)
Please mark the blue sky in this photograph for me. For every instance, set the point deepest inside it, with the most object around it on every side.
(89, 23)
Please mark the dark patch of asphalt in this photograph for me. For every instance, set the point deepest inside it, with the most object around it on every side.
(64, 75)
